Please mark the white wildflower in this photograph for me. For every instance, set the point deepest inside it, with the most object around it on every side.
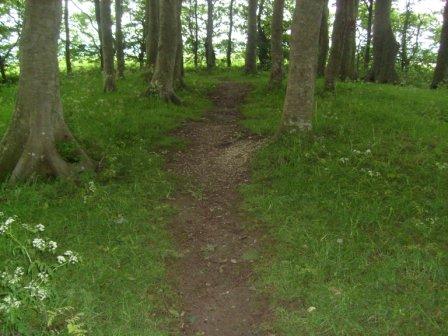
(339, 240)
(442, 166)
(9, 221)
(61, 259)
(52, 245)
(43, 276)
(71, 256)
(368, 152)
(92, 186)
(311, 309)
(9, 303)
(6, 225)
(39, 244)
(344, 160)
(36, 291)
(40, 227)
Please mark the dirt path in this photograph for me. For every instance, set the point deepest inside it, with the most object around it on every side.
(218, 248)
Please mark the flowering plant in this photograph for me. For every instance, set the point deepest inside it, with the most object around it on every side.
(32, 262)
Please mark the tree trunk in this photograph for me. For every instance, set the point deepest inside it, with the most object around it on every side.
(324, 43)
(342, 55)
(100, 33)
(108, 47)
(404, 37)
(3, 69)
(119, 38)
(30, 145)
(251, 46)
(385, 47)
(209, 49)
(262, 40)
(299, 100)
(152, 41)
(179, 69)
(162, 81)
(348, 66)
(68, 61)
(196, 35)
(277, 44)
(229, 36)
(442, 58)
(369, 35)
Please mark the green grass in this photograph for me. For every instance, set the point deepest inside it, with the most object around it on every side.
(120, 231)
(363, 239)
(368, 252)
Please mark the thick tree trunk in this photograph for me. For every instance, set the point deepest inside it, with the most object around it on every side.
(385, 47)
(108, 47)
(251, 46)
(262, 40)
(209, 49)
(348, 66)
(152, 40)
(119, 38)
(196, 35)
(229, 36)
(100, 33)
(299, 100)
(68, 60)
(342, 55)
(324, 43)
(179, 69)
(442, 58)
(29, 147)
(276, 78)
(369, 35)
(162, 81)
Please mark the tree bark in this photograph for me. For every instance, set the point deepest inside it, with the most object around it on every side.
(385, 47)
(3, 69)
(251, 46)
(299, 100)
(404, 38)
(100, 33)
(179, 69)
(276, 77)
(152, 41)
(324, 43)
(209, 49)
(348, 66)
(342, 54)
(119, 38)
(108, 47)
(68, 61)
(30, 145)
(369, 4)
(229, 36)
(262, 39)
(163, 80)
(196, 35)
(442, 58)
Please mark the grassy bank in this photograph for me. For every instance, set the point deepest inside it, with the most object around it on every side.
(117, 219)
(356, 210)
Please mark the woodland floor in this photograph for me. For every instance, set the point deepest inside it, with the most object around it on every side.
(214, 272)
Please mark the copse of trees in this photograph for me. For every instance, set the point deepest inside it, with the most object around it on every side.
(167, 34)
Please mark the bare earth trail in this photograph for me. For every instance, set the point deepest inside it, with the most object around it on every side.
(214, 273)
